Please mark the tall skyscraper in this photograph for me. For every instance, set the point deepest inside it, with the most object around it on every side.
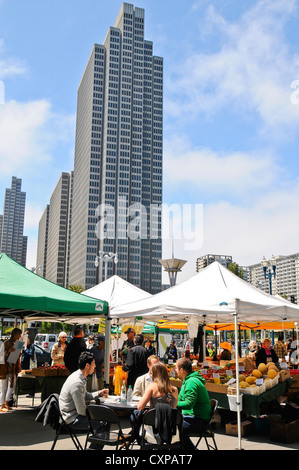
(12, 240)
(118, 159)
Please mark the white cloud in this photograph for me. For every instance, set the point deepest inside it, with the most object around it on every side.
(268, 226)
(252, 70)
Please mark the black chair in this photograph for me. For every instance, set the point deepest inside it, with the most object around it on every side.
(172, 422)
(49, 414)
(97, 415)
(25, 385)
(207, 432)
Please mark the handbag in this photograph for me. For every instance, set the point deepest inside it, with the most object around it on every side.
(3, 371)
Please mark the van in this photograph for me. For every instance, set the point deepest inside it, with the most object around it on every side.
(46, 340)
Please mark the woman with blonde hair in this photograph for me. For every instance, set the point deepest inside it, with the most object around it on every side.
(160, 390)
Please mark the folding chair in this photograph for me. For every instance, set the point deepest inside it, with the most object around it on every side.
(207, 432)
(49, 413)
(97, 415)
(25, 385)
(150, 419)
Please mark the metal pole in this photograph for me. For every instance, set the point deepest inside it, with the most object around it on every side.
(238, 403)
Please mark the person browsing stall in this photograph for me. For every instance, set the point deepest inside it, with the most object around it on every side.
(266, 353)
(136, 363)
(59, 348)
(76, 346)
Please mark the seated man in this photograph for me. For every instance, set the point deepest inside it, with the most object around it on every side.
(194, 401)
(73, 396)
(143, 381)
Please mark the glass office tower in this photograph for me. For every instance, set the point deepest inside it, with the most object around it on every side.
(118, 159)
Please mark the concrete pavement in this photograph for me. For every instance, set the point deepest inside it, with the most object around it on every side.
(19, 431)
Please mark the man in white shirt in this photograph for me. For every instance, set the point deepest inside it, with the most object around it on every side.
(73, 396)
(144, 380)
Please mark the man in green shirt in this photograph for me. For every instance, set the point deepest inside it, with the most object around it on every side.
(194, 401)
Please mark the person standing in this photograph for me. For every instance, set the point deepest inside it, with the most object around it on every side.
(128, 344)
(266, 353)
(76, 346)
(136, 363)
(99, 355)
(28, 354)
(59, 348)
(193, 401)
(280, 348)
(9, 370)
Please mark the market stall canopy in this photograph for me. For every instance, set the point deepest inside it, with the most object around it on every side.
(212, 295)
(116, 291)
(27, 295)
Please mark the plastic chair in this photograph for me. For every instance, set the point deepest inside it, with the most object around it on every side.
(97, 415)
(150, 419)
(207, 432)
(25, 385)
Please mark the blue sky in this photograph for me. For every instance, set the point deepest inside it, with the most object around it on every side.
(231, 113)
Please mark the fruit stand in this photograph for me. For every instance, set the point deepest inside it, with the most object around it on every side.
(48, 379)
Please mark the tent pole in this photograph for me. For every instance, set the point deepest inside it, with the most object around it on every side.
(107, 349)
(237, 380)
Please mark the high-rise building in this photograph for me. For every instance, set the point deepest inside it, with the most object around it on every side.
(286, 280)
(118, 159)
(204, 261)
(53, 234)
(12, 240)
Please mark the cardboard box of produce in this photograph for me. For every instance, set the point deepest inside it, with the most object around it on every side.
(247, 427)
(282, 431)
(218, 388)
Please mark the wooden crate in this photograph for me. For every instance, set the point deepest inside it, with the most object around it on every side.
(44, 372)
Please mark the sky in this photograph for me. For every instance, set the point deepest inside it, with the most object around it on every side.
(230, 124)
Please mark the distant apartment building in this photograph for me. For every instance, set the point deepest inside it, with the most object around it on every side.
(12, 239)
(286, 281)
(204, 261)
(53, 234)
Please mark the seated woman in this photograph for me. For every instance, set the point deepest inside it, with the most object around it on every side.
(160, 389)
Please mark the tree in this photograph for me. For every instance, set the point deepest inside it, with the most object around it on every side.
(235, 268)
(76, 288)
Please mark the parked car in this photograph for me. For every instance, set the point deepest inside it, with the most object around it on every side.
(46, 340)
(42, 356)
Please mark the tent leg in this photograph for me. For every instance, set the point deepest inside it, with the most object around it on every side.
(238, 387)
(107, 350)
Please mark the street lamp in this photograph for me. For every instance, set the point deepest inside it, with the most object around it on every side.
(106, 257)
(269, 269)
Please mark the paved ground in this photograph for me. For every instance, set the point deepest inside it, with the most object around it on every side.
(19, 431)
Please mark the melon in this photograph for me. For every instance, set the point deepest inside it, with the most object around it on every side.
(262, 367)
(242, 378)
(243, 384)
(272, 373)
(273, 368)
(269, 364)
(257, 373)
(250, 380)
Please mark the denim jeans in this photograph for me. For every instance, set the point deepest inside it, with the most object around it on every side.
(191, 425)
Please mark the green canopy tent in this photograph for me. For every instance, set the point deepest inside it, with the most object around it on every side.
(24, 294)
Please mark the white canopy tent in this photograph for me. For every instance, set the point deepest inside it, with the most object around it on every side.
(214, 294)
(116, 291)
